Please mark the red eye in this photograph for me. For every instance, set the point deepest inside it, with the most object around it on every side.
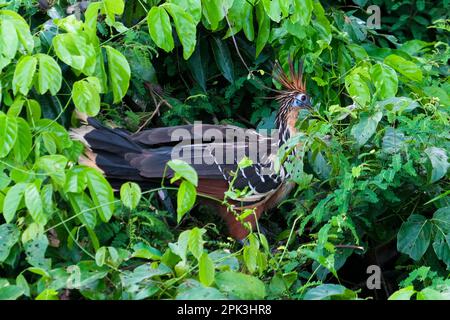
(303, 98)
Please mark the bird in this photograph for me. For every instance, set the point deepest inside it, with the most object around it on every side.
(216, 152)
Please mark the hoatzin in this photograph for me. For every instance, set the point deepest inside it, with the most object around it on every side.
(142, 157)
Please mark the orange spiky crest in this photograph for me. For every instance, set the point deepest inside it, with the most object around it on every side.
(292, 82)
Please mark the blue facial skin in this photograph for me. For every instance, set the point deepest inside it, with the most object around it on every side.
(302, 101)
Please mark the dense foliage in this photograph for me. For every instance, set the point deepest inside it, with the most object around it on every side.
(372, 179)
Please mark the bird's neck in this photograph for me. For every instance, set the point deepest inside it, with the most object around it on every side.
(285, 123)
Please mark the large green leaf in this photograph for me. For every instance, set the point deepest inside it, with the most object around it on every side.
(10, 292)
(160, 28)
(414, 236)
(22, 29)
(328, 292)
(35, 251)
(8, 134)
(118, 72)
(53, 165)
(76, 51)
(405, 67)
(366, 127)
(185, 198)
(193, 7)
(357, 87)
(183, 169)
(130, 194)
(241, 286)
(49, 75)
(273, 9)
(302, 11)
(185, 26)
(9, 41)
(101, 193)
(23, 75)
(12, 201)
(195, 242)
(9, 235)
(206, 271)
(22, 147)
(33, 201)
(385, 80)
(86, 96)
(215, 10)
(439, 163)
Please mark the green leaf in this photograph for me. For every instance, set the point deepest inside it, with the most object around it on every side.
(273, 9)
(192, 290)
(75, 50)
(22, 147)
(432, 294)
(9, 235)
(113, 8)
(439, 163)
(119, 73)
(206, 270)
(10, 292)
(366, 127)
(22, 29)
(86, 97)
(195, 242)
(263, 28)
(9, 41)
(53, 165)
(12, 201)
(185, 199)
(385, 80)
(83, 207)
(35, 251)
(328, 292)
(185, 26)
(193, 7)
(302, 12)
(8, 134)
(160, 28)
(184, 170)
(100, 256)
(215, 10)
(48, 294)
(49, 75)
(403, 294)
(414, 235)
(33, 202)
(407, 68)
(130, 194)
(241, 286)
(223, 58)
(101, 193)
(23, 75)
(357, 87)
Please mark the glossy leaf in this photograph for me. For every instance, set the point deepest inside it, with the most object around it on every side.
(101, 193)
(130, 194)
(118, 73)
(414, 236)
(185, 26)
(23, 75)
(8, 134)
(49, 75)
(160, 28)
(185, 198)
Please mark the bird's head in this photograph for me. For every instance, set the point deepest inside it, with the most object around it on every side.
(294, 95)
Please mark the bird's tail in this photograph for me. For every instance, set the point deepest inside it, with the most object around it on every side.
(105, 150)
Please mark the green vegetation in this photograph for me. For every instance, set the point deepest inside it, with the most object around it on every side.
(372, 178)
